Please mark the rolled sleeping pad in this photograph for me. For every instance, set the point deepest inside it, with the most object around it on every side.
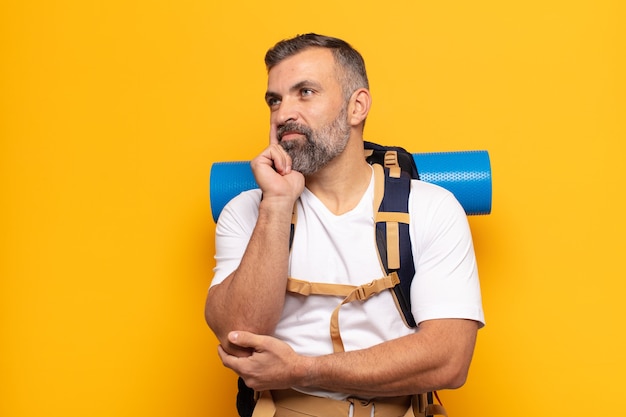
(467, 174)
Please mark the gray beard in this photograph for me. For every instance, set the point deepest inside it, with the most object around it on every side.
(318, 147)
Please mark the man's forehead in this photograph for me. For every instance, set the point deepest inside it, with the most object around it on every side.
(310, 63)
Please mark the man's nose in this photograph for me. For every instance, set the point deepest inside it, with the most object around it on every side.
(288, 110)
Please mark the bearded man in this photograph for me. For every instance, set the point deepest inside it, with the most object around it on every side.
(278, 340)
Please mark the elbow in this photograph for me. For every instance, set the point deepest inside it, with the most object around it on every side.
(207, 311)
(208, 318)
(454, 374)
(457, 379)
(223, 320)
(212, 316)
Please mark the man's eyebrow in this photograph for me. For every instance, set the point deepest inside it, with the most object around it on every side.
(270, 95)
(305, 83)
(297, 86)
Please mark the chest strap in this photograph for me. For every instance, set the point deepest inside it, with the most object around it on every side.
(350, 292)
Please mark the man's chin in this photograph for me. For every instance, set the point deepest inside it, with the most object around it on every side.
(292, 143)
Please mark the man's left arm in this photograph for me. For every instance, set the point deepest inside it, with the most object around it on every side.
(436, 357)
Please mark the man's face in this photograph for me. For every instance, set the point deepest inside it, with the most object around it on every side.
(308, 110)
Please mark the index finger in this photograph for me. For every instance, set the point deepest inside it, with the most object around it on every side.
(280, 159)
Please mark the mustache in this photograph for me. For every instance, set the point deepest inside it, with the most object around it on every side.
(293, 127)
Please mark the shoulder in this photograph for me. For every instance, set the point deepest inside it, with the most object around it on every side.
(242, 210)
(428, 196)
(435, 211)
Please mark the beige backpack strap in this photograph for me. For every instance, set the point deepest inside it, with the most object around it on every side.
(265, 406)
(360, 293)
(379, 186)
(393, 219)
(390, 161)
(307, 288)
(421, 408)
(436, 410)
(350, 292)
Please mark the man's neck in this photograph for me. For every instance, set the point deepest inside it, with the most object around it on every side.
(340, 185)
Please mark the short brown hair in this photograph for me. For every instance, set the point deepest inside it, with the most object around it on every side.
(352, 75)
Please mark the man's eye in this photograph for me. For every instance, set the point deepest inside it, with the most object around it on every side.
(306, 92)
(272, 101)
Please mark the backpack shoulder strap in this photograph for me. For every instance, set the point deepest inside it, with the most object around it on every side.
(391, 208)
(391, 156)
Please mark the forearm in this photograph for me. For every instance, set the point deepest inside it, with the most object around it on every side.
(436, 357)
(252, 297)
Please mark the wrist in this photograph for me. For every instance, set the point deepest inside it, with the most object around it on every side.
(306, 371)
(280, 206)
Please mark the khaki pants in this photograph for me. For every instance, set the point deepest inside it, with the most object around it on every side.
(290, 403)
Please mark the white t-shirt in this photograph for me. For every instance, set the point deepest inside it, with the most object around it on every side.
(342, 249)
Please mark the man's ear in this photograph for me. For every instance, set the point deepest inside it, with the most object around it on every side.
(359, 106)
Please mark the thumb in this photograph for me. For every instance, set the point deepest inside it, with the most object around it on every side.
(244, 339)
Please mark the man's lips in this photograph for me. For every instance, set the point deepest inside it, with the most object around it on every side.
(291, 131)
(291, 135)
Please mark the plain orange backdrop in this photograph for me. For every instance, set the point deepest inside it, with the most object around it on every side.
(111, 114)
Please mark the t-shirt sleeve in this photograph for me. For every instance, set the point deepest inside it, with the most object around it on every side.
(232, 233)
(446, 283)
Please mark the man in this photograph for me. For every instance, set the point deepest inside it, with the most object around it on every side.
(279, 341)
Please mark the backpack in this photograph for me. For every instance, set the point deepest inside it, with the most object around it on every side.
(394, 250)
(393, 244)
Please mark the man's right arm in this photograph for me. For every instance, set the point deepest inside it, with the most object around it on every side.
(252, 297)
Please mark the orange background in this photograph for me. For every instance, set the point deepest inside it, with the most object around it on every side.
(111, 114)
